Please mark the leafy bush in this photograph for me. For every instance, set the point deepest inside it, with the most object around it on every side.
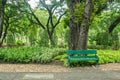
(19, 54)
(104, 38)
(109, 56)
(107, 41)
(48, 54)
(44, 55)
(99, 47)
(105, 56)
(29, 54)
(62, 58)
(44, 39)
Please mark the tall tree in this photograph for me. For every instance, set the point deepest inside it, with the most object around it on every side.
(9, 17)
(2, 10)
(74, 26)
(81, 14)
(53, 8)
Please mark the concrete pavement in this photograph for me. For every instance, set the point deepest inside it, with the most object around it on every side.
(75, 74)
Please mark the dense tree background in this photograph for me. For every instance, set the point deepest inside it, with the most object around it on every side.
(83, 24)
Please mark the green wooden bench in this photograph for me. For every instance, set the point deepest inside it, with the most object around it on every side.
(82, 55)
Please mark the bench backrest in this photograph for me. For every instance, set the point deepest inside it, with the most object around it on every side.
(81, 52)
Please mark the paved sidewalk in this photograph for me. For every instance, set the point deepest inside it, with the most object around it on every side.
(75, 74)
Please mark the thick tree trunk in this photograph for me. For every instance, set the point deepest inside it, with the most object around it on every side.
(83, 36)
(74, 26)
(74, 30)
(79, 31)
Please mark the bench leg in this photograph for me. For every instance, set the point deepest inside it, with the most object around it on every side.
(68, 63)
(97, 62)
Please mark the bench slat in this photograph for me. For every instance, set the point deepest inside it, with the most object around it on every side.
(83, 56)
(83, 59)
(94, 58)
(81, 52)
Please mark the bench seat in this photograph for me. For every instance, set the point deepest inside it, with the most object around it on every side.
(82, 55)
(83, 58)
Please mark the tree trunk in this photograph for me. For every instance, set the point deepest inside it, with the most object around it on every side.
(52, 42)
(74, 27)
(2, 8)
(50, 35)
(83, 36)
(1, 17)
(79, 31)
(4, 34)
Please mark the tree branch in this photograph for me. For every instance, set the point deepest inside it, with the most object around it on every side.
(114, 24)
(36, 18)
(59, 19)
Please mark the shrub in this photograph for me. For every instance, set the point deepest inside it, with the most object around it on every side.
(29, 54)
(48, 54)
(37, 54)
(105, 56)
(19, 54)
(109, 56)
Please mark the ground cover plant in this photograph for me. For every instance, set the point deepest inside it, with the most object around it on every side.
(105, 56)
(35, 54)
(32, 54)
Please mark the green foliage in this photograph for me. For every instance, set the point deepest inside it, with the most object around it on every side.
(104, 20)
(66, 19)
(104, 39)
(43, 39)
(100, 26)
(47, 55)
(79, 12)
(32, 33)
(100, 5)
(10, 38)
(19, 43)
(109, 56)
(42, 15)
(44, 55)
(19, 54)
(29, 54)
(62, 58)
(115, 41)
(62, 34)
(105, 56)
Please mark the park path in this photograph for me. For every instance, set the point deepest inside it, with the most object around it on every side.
(51, 67)
(58, 72)
(77, 74)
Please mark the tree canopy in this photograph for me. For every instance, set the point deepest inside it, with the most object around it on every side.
(18, 18)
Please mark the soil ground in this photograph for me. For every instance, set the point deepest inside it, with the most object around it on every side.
(52, 67)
